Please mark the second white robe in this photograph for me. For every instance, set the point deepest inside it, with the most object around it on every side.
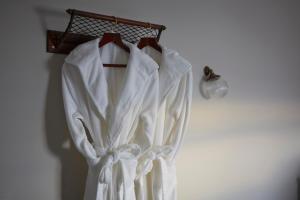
(156, 178)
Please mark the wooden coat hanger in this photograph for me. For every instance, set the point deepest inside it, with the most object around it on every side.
(149, 41)
(115, 38)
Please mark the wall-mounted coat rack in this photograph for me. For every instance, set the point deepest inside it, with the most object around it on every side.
(84, 26)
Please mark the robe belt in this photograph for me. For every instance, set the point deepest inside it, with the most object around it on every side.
(146, 160)
(109, 157)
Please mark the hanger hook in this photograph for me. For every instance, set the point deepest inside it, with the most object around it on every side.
(150, 29)
(115, 24)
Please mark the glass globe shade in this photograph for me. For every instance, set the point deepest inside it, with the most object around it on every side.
(213, 89)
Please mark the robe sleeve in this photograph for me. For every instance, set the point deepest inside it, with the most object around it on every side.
(74, 97)
(148, 113)
(179, 113)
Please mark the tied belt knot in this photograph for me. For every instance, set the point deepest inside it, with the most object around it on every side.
(110, 156)
(154, 153)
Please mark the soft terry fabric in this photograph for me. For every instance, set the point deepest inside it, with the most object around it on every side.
(156, 178)
(114, 107)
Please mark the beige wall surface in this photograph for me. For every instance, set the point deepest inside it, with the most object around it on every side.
(243, 147)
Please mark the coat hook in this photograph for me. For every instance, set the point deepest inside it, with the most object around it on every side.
(209, 74)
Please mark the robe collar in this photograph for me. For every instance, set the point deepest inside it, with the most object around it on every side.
(171, 69)
(140, 67)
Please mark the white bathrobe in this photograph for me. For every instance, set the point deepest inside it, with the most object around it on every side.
(156, 177)
(110, 113)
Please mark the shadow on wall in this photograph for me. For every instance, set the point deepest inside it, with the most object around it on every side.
(73, 166)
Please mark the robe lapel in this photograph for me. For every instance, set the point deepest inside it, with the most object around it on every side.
(172, 68)
(86, 58)
(140, 68)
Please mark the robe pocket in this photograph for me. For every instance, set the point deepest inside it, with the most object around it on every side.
(88, 131)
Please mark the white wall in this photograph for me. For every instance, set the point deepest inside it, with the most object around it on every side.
(243, 147)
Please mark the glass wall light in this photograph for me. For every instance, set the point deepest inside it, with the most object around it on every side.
(212, 86)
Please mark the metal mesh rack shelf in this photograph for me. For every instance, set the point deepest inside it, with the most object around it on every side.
(84, 26)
